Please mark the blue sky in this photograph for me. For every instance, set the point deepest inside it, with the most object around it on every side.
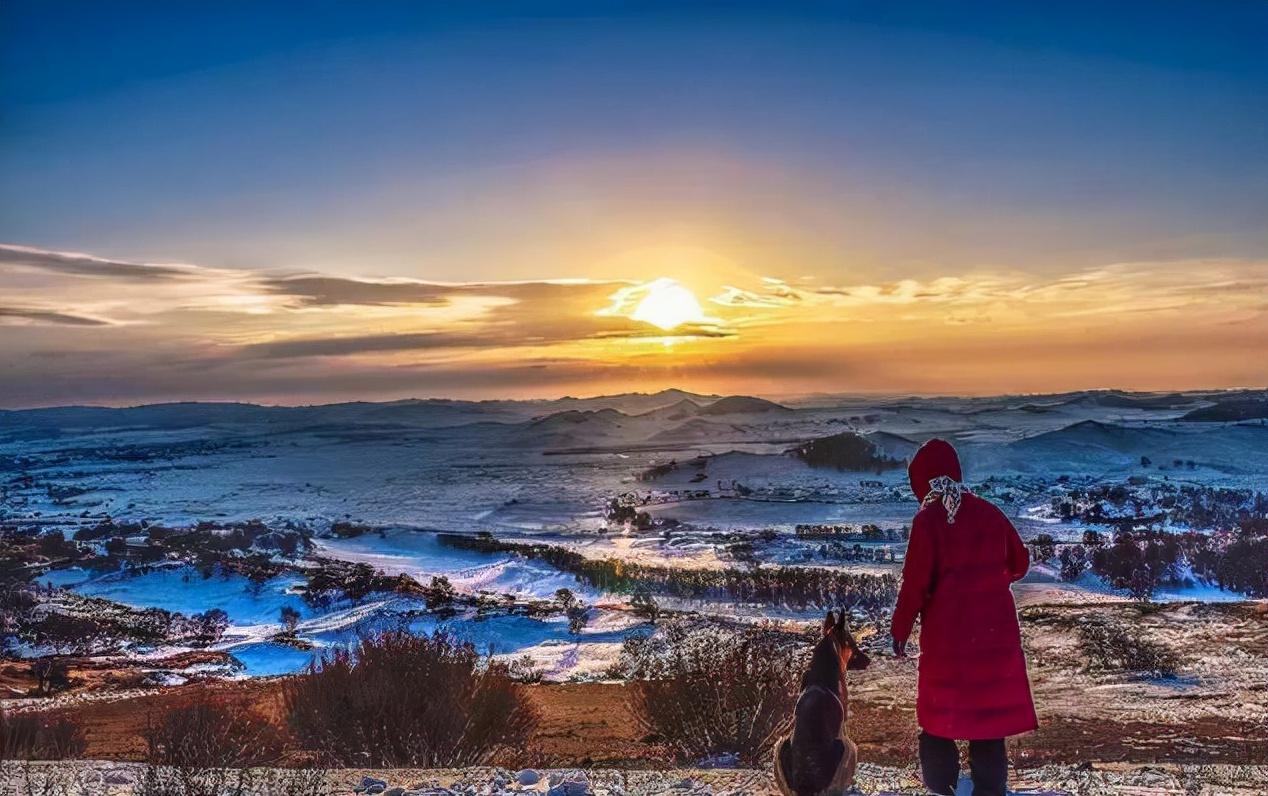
(844, 143)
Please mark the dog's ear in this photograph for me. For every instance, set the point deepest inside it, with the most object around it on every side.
(841, 620)
(829, 622)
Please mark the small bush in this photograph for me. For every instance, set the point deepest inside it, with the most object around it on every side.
(441, 594)
(578, 615)
(525, 670)
(1073, 562)
(64, 633)
(405, 700)
(210, 734)
(32, 736)
(51, 675)
(1243, 566)
(290, 619)
(1125, 649)
(565, 598)
(644, 605)
(210, 625)
(1043, 547)
(712, 691)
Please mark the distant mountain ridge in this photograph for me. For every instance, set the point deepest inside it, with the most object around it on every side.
(633, 403)
(1232, 410)
(638, 402)
(671, 406)
(1096, 433)
(684, 409)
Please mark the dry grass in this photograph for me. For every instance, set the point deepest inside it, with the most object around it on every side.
(211, 734)
(205, 748)
(32, 736)
(1117, 647)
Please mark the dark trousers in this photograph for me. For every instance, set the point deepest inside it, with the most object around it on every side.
(940, 765)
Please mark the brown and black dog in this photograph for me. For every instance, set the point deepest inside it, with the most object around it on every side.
(818, 758)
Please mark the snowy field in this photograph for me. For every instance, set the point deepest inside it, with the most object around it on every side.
(713, 476)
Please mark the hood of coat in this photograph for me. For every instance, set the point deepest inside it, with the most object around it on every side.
(935, 458)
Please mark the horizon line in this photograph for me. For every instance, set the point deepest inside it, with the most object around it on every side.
(775, 397)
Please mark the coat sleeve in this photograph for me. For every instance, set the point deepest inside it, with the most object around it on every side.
(1018, 553)
(918, 569)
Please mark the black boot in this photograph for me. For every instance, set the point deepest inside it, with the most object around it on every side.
(939, 764)
(988, 762)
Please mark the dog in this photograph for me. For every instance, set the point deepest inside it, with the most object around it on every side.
(818, 758)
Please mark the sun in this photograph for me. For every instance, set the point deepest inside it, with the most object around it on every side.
(668, 305)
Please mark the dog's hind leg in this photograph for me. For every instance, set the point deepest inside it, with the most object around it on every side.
(782, 765)
(851, 762)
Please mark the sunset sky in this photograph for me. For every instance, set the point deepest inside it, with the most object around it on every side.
(250, 201)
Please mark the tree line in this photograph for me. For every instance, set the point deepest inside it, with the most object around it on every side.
(794, 587)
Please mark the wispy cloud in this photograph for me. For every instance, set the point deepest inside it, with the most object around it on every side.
(363, 344)
(328, 291)
(28, 315)
(81, 327)
(491, 338)
(86, 265)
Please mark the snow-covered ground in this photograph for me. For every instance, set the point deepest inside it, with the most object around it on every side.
(544, 471)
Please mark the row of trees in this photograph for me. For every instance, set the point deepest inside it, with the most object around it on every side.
(1139, 562)
(867, 532)
(796, 587)
(247, 548)
(1197, 507)
(840, 551)
(66, 623)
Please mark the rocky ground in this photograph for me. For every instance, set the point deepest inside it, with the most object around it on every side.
(126, 779)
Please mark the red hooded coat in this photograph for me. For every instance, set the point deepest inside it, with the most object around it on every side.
(957, 578)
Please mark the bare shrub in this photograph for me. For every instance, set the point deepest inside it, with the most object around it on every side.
(1073, 561)
(403, 700)
(202, 749)
(1138, 566)
(60, 739)
(32, 736)
(711, 691)
(211, 734)
(1043, 547)
(525, 670)
(51, 675)
(1125, 649)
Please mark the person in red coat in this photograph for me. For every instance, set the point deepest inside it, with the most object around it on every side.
(962, 558)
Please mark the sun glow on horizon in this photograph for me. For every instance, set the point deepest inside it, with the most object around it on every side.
(668, 305)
